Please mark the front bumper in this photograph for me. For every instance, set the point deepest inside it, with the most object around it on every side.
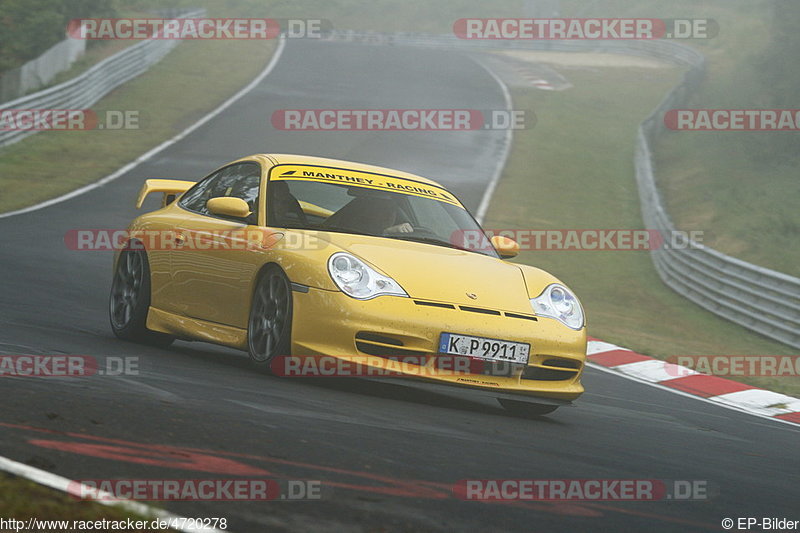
(329, 323)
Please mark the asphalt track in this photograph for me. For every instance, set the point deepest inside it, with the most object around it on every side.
(387, 455)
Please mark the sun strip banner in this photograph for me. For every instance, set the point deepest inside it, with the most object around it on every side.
(367, 180)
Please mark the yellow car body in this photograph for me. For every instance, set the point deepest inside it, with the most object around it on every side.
(206, 293)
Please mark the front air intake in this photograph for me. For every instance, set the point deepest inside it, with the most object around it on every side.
(381, 345)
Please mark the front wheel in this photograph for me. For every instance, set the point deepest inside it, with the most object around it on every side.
(129, 301)
(270, 324)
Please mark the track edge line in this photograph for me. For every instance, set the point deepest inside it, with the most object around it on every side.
(67, 486)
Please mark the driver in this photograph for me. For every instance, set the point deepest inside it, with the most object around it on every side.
(385, 217)
(371, 214)
(405, 227)
(284, 209)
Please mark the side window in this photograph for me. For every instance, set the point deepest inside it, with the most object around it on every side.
(195, 198)
(240, 181)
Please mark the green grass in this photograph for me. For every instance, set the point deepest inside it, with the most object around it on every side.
(574, 170)
(23, 499)
(734, 185)
(169, 97)
(93, 55)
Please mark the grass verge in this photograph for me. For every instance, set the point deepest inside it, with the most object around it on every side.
(169, 97)
(737, 187)
(24, 500)
(575, 170)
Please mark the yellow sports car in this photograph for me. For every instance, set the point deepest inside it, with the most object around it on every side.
(290, 257)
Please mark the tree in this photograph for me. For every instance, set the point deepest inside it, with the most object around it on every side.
(30, 27)
(780, 77)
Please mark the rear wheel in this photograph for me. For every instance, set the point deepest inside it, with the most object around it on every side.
(526, 409)
(270, 324)
(129, 301)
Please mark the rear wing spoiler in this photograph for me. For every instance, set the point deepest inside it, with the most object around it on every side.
(170, 189)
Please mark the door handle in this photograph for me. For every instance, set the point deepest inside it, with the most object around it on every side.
(180, 239)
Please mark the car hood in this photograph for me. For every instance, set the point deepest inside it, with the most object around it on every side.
(441, 274)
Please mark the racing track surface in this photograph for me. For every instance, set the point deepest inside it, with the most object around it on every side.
(387, 455)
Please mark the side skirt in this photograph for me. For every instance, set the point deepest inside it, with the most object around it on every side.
(193, 329)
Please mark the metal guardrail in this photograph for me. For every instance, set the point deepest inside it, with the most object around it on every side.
(760, 299)
(86, 89)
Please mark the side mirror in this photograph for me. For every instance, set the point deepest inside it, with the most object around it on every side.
(507, 248)
(226, 206)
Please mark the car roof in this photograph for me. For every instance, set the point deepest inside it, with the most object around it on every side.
(294, 159)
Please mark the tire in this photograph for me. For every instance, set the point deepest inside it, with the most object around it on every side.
(269, 328)
(129, 301)
(525, 409)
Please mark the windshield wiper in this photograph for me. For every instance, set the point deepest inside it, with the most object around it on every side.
(339, 229)
(426, 240)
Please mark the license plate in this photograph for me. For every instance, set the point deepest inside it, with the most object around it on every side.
(483, 348)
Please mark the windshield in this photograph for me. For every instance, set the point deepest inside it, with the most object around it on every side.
(346, 201)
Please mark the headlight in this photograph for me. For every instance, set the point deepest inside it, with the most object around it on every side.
(558, 302)
(356, 279)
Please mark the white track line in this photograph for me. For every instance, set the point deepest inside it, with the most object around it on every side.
(593, 347)
(483, 207)
(166, 144)
(73, 488)
(654, 370)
